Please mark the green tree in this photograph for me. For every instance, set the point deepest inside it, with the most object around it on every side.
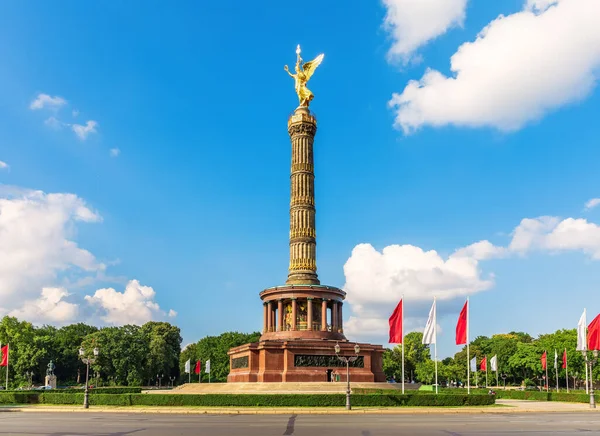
(164, 348)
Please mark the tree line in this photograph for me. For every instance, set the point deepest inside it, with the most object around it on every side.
(519, 359)
(128, 356)
(137, 355)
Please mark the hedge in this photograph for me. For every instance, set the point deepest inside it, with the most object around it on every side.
(106, 390)
(19, 397)
(250, 400)
(544, 396)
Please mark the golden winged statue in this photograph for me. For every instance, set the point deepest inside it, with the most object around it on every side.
(303, 74)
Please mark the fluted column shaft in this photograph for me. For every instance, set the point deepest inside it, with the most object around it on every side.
(324, 315)
(265, 320)
(270, 315)
(309, 313)
(280, 315)
(334, 316)
(294, 314)
(302, 127)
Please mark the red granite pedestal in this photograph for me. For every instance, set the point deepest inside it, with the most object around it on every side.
(303, 361)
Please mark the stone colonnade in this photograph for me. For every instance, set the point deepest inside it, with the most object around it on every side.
(296, 314)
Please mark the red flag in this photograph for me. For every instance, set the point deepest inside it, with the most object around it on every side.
(197, 370)
(544, 360)
(461, 325)
(4, 351)
(564, 365)
(483, 365)
(396, 325)
(593, 335)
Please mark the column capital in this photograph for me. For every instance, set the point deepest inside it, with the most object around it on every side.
(310, 298)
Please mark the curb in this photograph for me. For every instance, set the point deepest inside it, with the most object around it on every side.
(359, 411)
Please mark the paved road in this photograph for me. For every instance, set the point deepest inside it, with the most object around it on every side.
(121, 424)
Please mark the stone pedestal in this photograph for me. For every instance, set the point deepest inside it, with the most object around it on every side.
(50, 381)
(303, 361)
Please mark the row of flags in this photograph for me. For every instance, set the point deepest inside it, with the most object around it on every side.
(197, 369)
(588, 338)
(544, 360)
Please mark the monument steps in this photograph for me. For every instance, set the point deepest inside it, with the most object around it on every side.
(281, 388)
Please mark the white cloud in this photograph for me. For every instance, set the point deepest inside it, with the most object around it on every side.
(413, 23)
(46, 101)
(4, 165)
(36, 230)
(519, 68)
(114, 152)
(135, 305)
(553, 235)
(375, 281)
(592, 203)
(75, 113)
(54, 123)
(83, 131)
(48, 308)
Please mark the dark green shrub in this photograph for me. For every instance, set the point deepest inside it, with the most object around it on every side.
(19, 397)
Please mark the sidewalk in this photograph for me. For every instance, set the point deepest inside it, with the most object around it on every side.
(502, 407)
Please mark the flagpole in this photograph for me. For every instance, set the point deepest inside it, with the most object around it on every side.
(497, 383)
(7, 362)
(567, 369)
(403, 343)
(468, 357)
(435, 343)
(486, 373)
(556, 367)
(584, 348)
(547, 371)
(586, 377)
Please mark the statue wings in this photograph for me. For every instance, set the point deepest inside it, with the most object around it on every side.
(310, 67)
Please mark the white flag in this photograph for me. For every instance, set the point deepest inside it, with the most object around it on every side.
(555, 359)
(207, 367)
(494, 363)
(474, 364)
(582, 333)
(187, 366)
(429, 335)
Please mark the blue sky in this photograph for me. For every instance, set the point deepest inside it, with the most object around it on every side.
(180, 182)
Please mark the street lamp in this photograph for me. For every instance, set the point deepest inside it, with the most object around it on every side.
(172, 380)
(503, 377)
(159, 377)
(347, 361)
(87, 361)
(590, 362)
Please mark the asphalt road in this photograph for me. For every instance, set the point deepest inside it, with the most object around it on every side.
(120, 424)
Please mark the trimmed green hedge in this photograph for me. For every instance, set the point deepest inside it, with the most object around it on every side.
(19, 397)
(575, 397)
(107, 390)
(249, 400)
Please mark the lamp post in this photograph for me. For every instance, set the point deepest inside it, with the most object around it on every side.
(172, 380)
(87, 360)
(590, 362)
(159, 377)
(503, 377)
(347, 361)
